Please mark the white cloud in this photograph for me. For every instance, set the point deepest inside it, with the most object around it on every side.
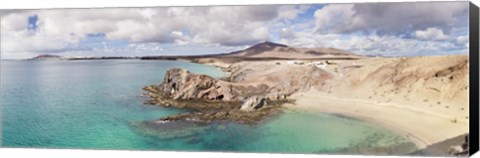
(431, 34)
(390, 18)
(370, 28)
(291, 11)
(462, 40)
(26, 41)
(389, 45)
(387, 28)
(149, 47)
(14, 22)
(329, 18)
(224, 25)
(286, 33)
(310, 40)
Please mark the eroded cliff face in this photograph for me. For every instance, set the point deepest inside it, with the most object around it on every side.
(181, 84)
(440, 81)
(213, 99)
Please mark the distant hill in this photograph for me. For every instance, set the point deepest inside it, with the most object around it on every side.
(261, 51)
(57, 57)
(265, 51)
(275, 50)
(47, 57)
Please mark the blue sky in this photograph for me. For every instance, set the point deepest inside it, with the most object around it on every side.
(393, 29)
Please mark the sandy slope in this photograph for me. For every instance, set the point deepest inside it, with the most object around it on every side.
(422, 98)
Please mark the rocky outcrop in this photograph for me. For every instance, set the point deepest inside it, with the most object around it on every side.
(212, 99)
(253, 103)
(181, 84)
(457, 146)
(226, 114)
(460, 150)
(203, 110)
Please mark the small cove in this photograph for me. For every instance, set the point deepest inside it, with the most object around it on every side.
(98, 105)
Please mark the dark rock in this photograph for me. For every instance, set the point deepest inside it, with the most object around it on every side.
(457, 146)
(253, 103)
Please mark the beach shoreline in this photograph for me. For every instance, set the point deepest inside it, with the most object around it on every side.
(416, 125)
(421, 98)
(410, 117)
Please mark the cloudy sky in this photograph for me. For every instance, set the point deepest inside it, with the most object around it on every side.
(393, 29)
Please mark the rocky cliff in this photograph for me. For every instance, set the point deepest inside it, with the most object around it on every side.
(181, 84)
(213, 99)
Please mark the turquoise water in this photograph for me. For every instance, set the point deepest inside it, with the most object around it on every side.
(98, 105)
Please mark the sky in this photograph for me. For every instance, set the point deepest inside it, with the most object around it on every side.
(389, 29)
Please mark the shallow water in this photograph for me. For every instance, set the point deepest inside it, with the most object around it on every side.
(98, 105)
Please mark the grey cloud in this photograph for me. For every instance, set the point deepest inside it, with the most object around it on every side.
(261, 13)
(398, 18)
(223, 25)
(5, 12)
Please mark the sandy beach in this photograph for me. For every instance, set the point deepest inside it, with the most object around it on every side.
(424, 127)
(376, 79)
(424, 99)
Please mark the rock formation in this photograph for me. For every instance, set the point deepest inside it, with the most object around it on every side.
(251, 93)
(213, 99)
(253, 103)
(181, 84)
(460, 150)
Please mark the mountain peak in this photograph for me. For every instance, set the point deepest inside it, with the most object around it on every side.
(262, 47)
(269, 49)
(45, 57)
(268, 44)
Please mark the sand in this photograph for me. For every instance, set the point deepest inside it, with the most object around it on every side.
(424, 99)
(422, 126)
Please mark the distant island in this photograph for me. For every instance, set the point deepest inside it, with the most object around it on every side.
(262, 51)
(58, 57)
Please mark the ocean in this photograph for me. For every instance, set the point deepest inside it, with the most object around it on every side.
(98, 104)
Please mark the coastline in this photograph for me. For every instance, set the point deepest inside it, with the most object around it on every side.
(410, 118)
(389, 115)
(414, 124)
(396, 117)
